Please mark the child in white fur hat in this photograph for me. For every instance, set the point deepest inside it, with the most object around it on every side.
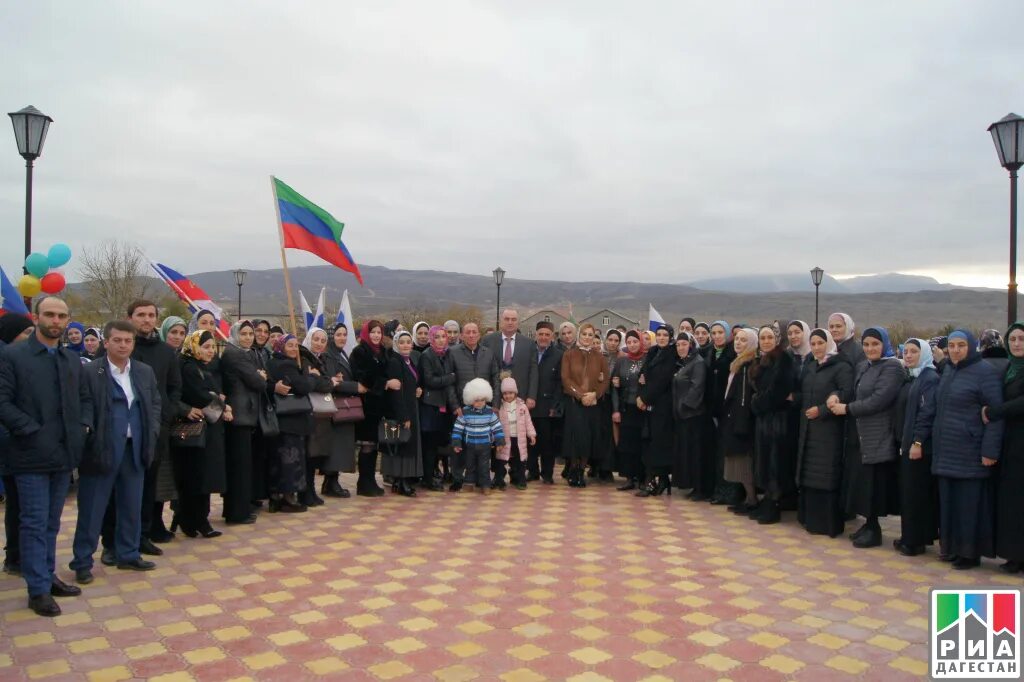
(476, 431)
(519, 430)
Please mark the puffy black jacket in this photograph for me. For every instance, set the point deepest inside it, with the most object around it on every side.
(877, 387)
(45, 405)
(919, 414)
(959, 438)
(688, 386)
(820, 453)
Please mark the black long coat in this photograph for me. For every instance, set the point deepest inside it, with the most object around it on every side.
(774, 450)
(1010, 491)
(339, 445)
(550, 396)
(371, 370)
(820, 451)
(718, 377)
(403, 405)
(656, 392)
(736, 423)
(201, 470)
(244, 387)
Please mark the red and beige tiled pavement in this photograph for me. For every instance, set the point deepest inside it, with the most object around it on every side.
(551, 583)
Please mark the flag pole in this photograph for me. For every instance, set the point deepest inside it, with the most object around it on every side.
(182, 295)
(284, 259)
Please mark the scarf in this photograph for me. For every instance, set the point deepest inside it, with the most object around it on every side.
(236, 329)
(973, 354)
(1016, 366)
(307, 341)
(927, 359)
(281, 341)
(194, 324)
(882, 335)
(848, 321)
(364, 335)
(193, 342)
(805, 348)
(830, 344)
(438, 342)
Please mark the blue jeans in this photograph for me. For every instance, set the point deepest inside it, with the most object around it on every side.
(41, 498)
(126, 483)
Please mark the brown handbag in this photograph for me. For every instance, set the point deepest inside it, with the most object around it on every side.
(188, 434)
(349, 409)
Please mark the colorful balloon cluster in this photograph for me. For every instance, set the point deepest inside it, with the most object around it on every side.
(43, 276)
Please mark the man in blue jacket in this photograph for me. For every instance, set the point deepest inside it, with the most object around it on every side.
(126, 418)
(46, 407)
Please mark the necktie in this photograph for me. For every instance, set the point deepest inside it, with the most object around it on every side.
(508, 351)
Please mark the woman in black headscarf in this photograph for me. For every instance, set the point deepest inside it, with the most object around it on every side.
(655, 400)
(201, 471)
(692, 467)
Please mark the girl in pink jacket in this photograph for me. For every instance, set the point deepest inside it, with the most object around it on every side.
(519, 430)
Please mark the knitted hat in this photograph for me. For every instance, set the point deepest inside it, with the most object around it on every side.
(12, 325)
(477, 389)
(508, 385)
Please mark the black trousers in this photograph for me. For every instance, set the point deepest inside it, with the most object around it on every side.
(542, 455)
(12, 522)
(238, 494)
(516, 467)
(194, 512)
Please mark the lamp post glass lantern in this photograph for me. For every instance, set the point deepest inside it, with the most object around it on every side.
(499, 277)
(240, 280)
(30, 128)
(817, 274)
(1008, 137)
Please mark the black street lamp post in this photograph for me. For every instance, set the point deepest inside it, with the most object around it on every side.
(1008, 136)
(499, 277)
(240, 280)
(816, 276)
(30, 127)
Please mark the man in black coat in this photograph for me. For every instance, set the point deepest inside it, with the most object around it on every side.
(547, 411)
(46, 407)
(517, 355)
(126, 417)
(13, 328)
(163, 360)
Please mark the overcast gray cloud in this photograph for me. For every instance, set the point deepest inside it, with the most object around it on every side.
(659, 142)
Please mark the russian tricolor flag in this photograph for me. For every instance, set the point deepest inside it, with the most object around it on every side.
(10, 299)
(194, 297)
(307, 227)
(654, 318)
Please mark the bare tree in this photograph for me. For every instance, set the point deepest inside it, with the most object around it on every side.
(113, 275)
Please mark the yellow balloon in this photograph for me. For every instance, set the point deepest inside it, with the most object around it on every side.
(29, 286)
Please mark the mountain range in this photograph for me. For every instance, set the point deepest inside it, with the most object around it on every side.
(879, 299)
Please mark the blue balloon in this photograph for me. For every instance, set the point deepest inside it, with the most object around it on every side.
(37, 264)
(59, 255)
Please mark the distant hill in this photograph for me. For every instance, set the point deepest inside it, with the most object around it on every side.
(753, 300)
(867, 284)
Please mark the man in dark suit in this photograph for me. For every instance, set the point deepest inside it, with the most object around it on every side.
(126, 417)
(547, 412)
(517, 356)
(46, 406)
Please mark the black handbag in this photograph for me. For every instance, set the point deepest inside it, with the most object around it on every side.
(188, 434)
(269, 426)
(288, 405)
(392, 432)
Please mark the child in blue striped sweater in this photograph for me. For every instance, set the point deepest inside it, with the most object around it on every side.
(477, 430)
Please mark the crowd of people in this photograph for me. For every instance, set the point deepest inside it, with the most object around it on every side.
(153, 417)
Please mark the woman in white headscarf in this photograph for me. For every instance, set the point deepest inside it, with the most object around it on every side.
(919, 493)
(844, 333)
(736, 423)
(820, 451)
(314, 349)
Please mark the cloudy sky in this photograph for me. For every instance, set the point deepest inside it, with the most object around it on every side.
(654, 141)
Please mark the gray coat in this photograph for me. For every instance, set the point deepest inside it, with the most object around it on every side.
(244, 387)
(524, 361)
(479, 365)
(876, 388)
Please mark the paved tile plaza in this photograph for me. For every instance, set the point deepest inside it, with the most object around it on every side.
(551, 583)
